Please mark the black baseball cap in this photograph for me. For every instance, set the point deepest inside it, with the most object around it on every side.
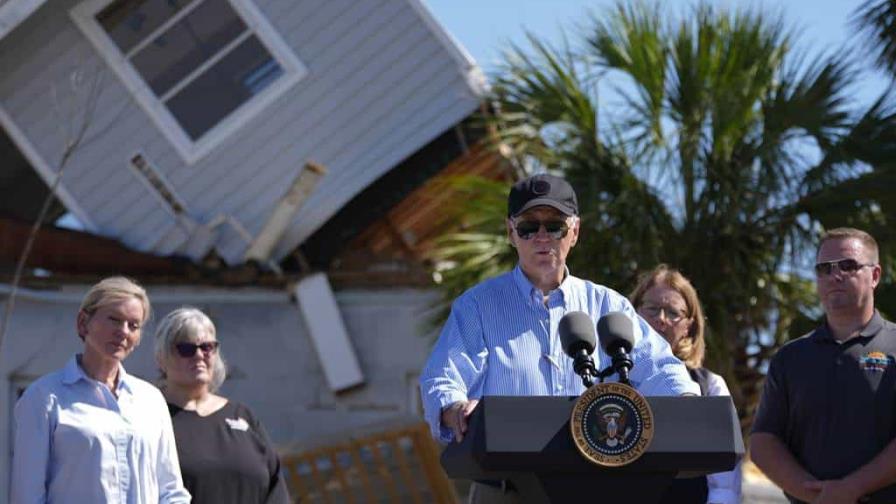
(542, 190)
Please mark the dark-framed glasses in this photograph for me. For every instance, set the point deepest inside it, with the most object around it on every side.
(187, 350)
(847, 266)
(673, 315)
(556, 229)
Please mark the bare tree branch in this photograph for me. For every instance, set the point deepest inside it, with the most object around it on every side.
(73, 137)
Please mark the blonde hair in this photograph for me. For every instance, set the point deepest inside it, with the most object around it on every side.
(112, 290)
(183, 325)
(692, 348)
(843, 233)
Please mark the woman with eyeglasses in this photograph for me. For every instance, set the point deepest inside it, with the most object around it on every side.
(669, 303)
(225, 454)
(90, 433)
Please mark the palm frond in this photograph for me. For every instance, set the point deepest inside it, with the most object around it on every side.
(876, 22)
(632, 40)
(731, 150)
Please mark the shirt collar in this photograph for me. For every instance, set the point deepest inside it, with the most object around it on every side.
(873, 326)
(870, 330)
(72, 372)
(531, 292)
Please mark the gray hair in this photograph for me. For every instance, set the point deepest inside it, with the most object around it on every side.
(183, 325)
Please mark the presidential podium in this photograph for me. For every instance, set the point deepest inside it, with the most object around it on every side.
(527, 441)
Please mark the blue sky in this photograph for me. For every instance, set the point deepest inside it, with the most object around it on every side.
(484, 27)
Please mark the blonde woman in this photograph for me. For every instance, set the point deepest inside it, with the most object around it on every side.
(90, 433)
(669, 303)
(225, 455)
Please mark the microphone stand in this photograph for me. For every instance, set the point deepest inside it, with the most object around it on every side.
(583, 365)
(621, 365)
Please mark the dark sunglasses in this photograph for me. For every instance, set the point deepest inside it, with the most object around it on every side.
(187, 350)
(528, 228)
(844, 265)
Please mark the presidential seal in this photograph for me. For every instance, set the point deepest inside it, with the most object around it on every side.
(612, 424)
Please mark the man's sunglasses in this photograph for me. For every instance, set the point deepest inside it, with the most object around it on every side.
(528, 228)
(844, 265)
(187, 350)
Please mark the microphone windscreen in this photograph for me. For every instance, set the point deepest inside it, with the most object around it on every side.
(577, 333)
(615, 331)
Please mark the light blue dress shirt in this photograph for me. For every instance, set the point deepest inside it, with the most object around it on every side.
(501, 339)
(77, 443)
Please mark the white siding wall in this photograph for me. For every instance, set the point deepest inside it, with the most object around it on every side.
(276, 372)
(380, 85)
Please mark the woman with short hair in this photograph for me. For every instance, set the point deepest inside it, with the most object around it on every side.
(89, 432)
(669, 303)
(225, 454)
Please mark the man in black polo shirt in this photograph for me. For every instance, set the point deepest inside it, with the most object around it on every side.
(825, 428)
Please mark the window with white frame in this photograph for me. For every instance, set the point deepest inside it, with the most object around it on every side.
(200, 68)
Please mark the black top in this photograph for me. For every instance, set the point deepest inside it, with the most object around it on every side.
(833, 404)
(226, 457)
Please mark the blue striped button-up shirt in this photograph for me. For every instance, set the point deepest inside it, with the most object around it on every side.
(501, 339)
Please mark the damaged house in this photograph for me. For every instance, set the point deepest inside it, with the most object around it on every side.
(271, 162)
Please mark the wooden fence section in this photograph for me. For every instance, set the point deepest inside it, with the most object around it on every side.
(397, 466)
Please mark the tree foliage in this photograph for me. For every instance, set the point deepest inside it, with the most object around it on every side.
(876, 21)
(728, 151)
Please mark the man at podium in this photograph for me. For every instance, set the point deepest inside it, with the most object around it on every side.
(501, 337)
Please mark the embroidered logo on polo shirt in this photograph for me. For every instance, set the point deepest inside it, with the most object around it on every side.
(875, 361)
(238, 424)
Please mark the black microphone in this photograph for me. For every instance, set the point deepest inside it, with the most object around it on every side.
(577, 337)
(616, 338)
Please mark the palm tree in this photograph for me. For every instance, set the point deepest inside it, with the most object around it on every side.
(479, 251)
(718, 161)
(876, 20)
